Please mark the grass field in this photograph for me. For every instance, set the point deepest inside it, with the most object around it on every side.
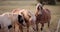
(7, 6)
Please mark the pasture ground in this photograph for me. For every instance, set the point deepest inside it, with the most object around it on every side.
(7, 6)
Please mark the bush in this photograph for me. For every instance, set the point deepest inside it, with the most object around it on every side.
(51, 2)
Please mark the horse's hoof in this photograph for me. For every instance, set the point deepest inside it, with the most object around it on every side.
(41, 29)
(48, 26)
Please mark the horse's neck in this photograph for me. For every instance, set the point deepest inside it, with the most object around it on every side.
(26, 15)
(14, 16)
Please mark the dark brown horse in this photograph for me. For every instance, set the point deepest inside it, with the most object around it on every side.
(42, 15)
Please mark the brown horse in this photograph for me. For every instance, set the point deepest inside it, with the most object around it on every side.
(42, 15)
(29, 17)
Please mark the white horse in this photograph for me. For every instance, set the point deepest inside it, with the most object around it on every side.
(5, 22)
(9, 19)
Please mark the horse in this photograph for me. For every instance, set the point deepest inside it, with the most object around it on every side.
(9, 20)
(42, 16)
(29, 17)
(58, 26)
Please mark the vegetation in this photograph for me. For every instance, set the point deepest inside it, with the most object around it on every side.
(51, 2)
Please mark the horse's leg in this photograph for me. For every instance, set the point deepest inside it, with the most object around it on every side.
(16, 28)
(27, 27)
(6, 29)
(34, 25)
(42, 26)
(37, 26)
(21, 28)
(48, 23)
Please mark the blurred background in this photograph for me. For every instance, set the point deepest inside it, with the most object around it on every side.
(52, 5)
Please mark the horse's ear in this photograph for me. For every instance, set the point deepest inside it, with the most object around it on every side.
(39, 6)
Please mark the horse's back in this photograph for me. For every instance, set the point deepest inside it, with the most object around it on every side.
(48, 14)
(47, 11)
(45, 17)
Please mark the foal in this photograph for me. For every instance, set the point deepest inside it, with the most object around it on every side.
(42, 16)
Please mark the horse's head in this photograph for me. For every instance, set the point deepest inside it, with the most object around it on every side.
(39, 8)
(21, 20)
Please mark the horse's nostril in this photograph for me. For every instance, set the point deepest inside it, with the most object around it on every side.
(9, 26)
